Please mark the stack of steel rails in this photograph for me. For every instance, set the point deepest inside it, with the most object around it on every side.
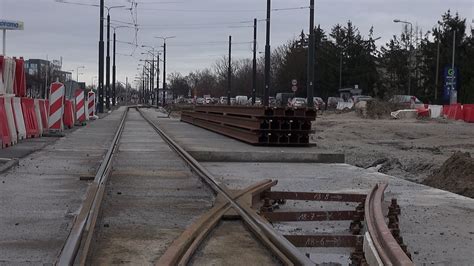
(255, 125)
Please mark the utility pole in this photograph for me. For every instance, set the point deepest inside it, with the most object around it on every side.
(107, 65)
(157, 78)
(164, 72)
(267, 58)
(113, 74)
(101, 59)
(254, 62)
(437, 68)
(310, 81)
(454, 48)
(164, 65)
(229, 71)
(340, 70)
(152, 73)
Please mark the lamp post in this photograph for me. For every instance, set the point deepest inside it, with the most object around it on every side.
(409, 51)
(114, 70)
(266, 90)
(157, 54)
(310, 81)
(164, 65)
(254, 62)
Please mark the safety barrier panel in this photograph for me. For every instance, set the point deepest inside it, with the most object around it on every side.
(19, 87)
(11, 119)
(469, 113)
(435, 110)
(56, 107)
(30, 118)
(91, 104)
(446, 109)
(5, 136)
(19, 120)
(38, 116)
(68, 114)
(8, 74)
(2, 86)
(80, 106)
(44, 113)
(456, 112)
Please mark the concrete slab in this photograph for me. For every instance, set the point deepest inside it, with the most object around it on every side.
(209, 146)
(435, 224)
(41, 196)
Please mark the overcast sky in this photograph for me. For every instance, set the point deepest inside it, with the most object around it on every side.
(54, 30)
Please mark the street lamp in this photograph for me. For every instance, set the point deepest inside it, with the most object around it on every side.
(164, 65)
(114, 99)
(409, 51)
(77, 72)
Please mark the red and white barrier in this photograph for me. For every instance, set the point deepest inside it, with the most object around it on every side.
(2, 86)
(8, 74)
(19, 120)
(11, 119)
(56, 107)
(80, 107)
(30, 118)
(5, 137)
(68, 116)
(38, 116)
(91, 105)
(19, 85)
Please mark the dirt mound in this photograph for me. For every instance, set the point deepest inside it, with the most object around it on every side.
(455, 175)
(381, 109)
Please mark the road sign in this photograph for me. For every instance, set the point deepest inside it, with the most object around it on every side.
(294, 88)
(294, 82)
(450, 76)
(10, 25)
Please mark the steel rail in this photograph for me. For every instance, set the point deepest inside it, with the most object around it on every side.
(182, 249)
(89, 208)
(257, 225)
(385, 244)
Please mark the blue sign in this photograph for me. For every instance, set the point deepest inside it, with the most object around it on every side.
(450, 77)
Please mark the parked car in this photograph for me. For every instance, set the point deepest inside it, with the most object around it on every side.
(407, 101)
(332, 102)
(200, 101)
(241, 100)
(319, 103)
(223, 100)
(232, 101)
(298, 102)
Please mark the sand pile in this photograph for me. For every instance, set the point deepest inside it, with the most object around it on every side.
(455, 175)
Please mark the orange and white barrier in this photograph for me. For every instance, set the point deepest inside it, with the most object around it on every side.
(19, 120)
(68, 116)
(56, 107)
(80, 107)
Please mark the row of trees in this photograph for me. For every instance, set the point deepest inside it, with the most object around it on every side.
(344, 58)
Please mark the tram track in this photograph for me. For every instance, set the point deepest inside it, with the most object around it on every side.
(78, 244)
